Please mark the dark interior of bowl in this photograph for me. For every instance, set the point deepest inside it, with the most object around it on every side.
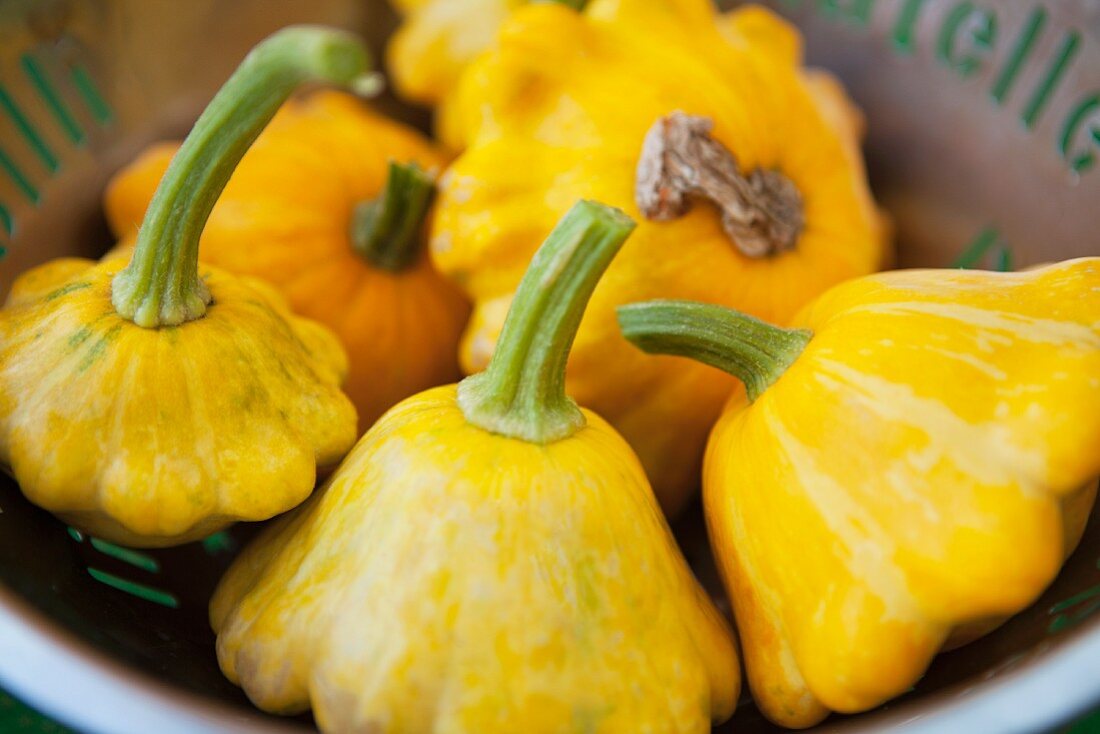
(934, 138)
(148, 608)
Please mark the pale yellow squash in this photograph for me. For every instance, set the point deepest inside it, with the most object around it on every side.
(489, 558)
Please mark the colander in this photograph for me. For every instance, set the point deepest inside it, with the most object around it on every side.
(984, 144)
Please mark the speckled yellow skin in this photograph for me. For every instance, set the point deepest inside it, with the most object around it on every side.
(920, 471)
(285, 217)
(437, 40)
(452, 580)
(557, 111)
(152, 437)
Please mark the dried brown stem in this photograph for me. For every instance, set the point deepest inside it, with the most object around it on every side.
(761, 212)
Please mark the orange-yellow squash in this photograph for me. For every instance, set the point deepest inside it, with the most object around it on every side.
(743, 170)
(291, 215)
(489, 558)
(150, 400)
(918, 459)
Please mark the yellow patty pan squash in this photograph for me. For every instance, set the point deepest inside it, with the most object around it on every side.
(327, 205)
(489, 558)
(151, 401)
(909, 466)
(437, 40)
(744, 171)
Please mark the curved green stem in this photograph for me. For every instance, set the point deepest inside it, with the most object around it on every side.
(386, 231)
(522, 392)
(161, 285)
(577, 5)
(751, 350)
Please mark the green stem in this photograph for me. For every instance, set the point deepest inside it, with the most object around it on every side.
(577, 5)
(522, 392)
(161, 285)
(751, 350)
(386, 230)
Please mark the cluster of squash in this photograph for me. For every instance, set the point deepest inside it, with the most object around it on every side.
(903, 459)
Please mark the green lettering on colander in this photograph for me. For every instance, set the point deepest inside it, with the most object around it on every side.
(1024, 45)
(857, 12)
(16, 174)
(141, 591)
(981, 34)
(977, 249)
(966, 39)
(1073, 601)
(23, 125)
(98, 106)
(51, 99)
(1087, 111)
(219, 542)
(1066, 52)
(126, 555)
(1068, 620)
(1076, 609)
(904, 35)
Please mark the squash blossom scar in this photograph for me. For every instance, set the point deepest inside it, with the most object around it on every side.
(762, 212)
